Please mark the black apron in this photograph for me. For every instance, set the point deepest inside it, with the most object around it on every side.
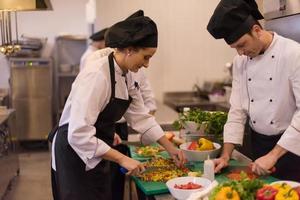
(287, 167)
(71, 181)
(117, 177)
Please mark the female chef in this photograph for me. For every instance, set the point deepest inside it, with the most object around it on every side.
(101, 94)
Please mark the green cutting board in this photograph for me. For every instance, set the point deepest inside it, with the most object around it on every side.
(138, 157)
(154, 188)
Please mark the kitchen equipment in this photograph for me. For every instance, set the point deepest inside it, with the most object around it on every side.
(195, 155)
(9, 160)
(185, 193)
(31, 96)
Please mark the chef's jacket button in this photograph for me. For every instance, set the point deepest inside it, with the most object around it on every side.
(273, 56)
(271, 122)
(249, 79)
(254, 122)
(271, 78)
(271, 100)
(252, 100)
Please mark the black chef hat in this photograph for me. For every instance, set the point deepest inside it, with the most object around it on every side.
(98, 36)
(233, 18)
(137, 30)
(139, 13)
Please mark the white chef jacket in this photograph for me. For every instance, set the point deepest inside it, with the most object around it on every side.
(267, 89)
(139, 76)
(91, 92)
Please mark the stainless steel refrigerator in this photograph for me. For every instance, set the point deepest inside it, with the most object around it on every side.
(283, 17)
(31, 96)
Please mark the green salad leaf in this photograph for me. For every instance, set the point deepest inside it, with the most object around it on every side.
(246, 188)
(214, 120)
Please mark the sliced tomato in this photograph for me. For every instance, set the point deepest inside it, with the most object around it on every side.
(188, 186)
(193, 145)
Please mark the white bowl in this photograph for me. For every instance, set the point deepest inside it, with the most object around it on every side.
(195, 155)
(185, 193)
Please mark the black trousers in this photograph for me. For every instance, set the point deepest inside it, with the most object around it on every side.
(117, 178)
(71, 181)
(287, 167)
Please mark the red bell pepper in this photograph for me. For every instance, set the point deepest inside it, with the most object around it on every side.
(193, 145)
(266, 193)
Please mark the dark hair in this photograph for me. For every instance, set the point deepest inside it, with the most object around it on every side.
(256, 23)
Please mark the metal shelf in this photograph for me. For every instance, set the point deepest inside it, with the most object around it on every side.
(67, 74)
(68, 50)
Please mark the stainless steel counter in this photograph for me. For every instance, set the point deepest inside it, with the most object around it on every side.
(165, 116)
(179, 100)
(9, 161)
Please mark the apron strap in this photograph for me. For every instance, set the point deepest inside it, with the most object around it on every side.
(112, 74)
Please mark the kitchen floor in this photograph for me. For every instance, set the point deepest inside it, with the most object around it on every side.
(33, 182)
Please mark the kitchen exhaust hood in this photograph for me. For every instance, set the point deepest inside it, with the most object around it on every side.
(25, 5)
(9, 21)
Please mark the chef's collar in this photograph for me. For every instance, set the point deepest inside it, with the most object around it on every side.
(118, 69)
(232, 19)
(270, 48)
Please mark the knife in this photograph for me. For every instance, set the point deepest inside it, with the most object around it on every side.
(236, 155)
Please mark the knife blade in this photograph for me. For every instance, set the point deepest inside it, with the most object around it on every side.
(236, 155)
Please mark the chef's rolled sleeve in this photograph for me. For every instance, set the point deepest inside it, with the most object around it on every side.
(234, 133)
(152, 135)
(290, 140)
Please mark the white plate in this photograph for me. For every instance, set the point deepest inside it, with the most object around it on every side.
(293, 184)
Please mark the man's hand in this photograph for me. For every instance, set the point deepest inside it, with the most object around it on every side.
(220, 163)
(265, 164)
(223, 161)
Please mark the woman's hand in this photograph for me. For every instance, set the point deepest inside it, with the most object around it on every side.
(178, 157)
(176, 154)
(220, 163)
(117, 140)
(134, 167)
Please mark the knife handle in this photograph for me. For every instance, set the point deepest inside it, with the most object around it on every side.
(123, 170)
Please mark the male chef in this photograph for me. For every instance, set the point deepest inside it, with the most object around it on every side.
(265, 89)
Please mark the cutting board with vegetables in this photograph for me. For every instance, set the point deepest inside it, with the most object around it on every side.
(141, 157)
(154, 188)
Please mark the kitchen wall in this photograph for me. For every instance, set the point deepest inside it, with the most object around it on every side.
(186, 54)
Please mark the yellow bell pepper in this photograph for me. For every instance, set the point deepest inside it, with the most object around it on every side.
(227, 193)
(284, 194)
(282, 186)
(205, 145)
